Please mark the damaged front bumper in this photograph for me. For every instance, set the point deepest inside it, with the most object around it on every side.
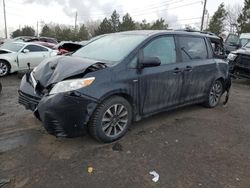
(63, 114)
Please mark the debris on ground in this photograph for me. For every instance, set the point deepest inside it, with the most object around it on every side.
(4, 182)
(156, 176)
(128, 152)
(90, 170)
(176, 141)
(117, 147)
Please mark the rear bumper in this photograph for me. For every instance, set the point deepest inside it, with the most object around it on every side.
(63, 114)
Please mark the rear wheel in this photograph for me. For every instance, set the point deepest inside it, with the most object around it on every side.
(4, 68)
(215, 94)
(111, 119)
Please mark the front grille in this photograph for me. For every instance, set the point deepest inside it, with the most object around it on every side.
(30, 102)
(244, 61)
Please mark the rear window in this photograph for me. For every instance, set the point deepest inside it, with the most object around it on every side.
(193, 48)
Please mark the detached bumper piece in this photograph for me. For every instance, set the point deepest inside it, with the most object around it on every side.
(30, 102)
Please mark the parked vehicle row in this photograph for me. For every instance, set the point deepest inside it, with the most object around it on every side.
(123, 77)
(18, 56)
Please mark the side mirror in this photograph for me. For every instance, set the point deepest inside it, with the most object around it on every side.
(150, 62)
(26, 51)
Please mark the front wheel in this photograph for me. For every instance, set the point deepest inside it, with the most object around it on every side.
(111, 119)
(215, 94)
(4, 68)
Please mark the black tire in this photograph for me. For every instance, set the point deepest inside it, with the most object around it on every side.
(102, 122)
(4, 68)
(214, 95)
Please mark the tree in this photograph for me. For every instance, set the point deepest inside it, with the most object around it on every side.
(16, 33)
(233, 13)
(25, 31)
(159, 25)
(47, 31)
(28, 31)
(127, 23)
(105, 27)
(216, 24)
(115, 21)
(83, 33)
(244, 18)
(144, 25)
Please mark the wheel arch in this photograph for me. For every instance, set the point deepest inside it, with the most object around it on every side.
(124, 95)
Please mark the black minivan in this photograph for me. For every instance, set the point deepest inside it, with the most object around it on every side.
(123, 77)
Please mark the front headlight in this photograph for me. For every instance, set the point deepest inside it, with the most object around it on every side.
(231, 57)
(71, 85)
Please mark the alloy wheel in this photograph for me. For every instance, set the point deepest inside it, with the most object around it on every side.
(3, 69)
(115, 120)
(215, 93)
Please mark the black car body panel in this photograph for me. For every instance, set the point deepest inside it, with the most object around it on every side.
(240, 66)
(148, 90)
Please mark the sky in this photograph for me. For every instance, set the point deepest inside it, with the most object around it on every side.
(178, 13)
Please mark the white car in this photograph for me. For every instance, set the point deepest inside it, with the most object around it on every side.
(18, 56)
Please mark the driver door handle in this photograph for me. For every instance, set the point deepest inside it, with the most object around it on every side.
(177, 70)
(188, 68)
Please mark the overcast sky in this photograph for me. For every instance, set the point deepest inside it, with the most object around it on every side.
(178, 13)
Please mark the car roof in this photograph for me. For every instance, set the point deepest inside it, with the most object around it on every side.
(178, 32)
(33, 43)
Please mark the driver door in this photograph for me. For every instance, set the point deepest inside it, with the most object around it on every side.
(32, 54)
(161, 87)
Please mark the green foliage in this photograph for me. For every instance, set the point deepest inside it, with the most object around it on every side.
(244, 17)
(105, 27)
(91, 29)
(127, 23)
(83, 33)
(25, 31)
(47, 31)
(144, 25)
(115, 21)
(216, 24)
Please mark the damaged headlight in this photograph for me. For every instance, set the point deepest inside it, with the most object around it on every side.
(71, 85)
(231, 57)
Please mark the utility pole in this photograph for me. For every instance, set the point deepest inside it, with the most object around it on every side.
(37, 29)
(76, 22)
(5, 23)
(207, 20)
(203, 14)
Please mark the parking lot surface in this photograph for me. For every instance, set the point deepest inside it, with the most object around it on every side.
(189, 147)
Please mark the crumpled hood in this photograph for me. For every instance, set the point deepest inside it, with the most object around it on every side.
(58, 68)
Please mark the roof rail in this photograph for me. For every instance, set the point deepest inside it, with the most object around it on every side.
(196, 31)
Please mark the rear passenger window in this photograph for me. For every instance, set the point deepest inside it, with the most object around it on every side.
(193, 48)
(163, 48)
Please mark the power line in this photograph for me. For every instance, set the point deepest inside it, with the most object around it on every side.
(144, 12)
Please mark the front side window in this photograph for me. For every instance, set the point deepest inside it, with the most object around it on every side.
(193, 48)
(163, 48)
(34, 48)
